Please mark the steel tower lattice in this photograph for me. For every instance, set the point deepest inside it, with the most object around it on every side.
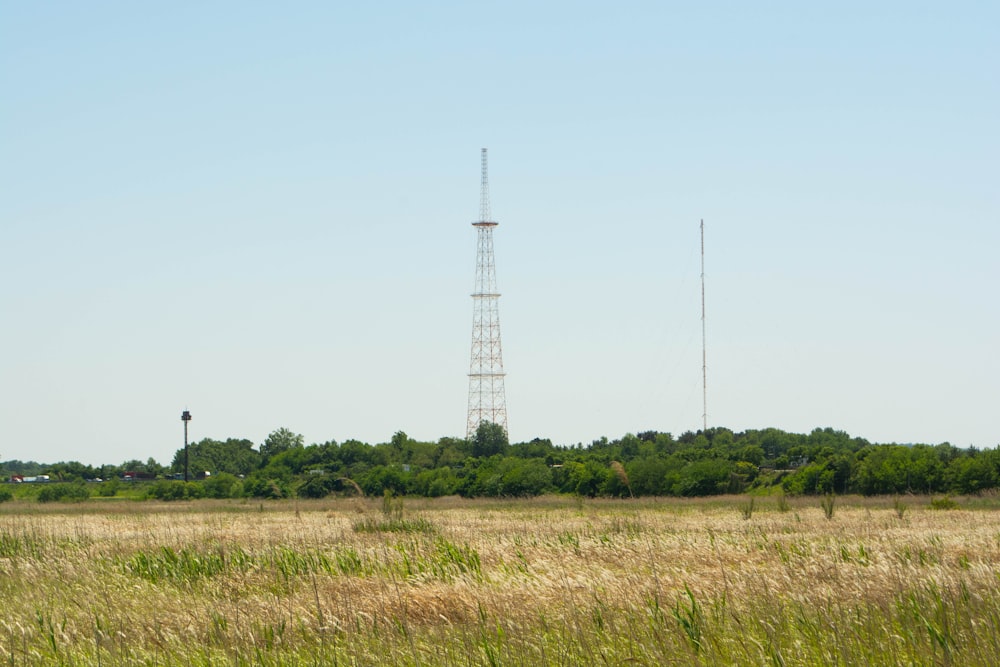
(487, 399)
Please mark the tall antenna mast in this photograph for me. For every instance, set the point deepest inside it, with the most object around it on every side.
(487, 399)
(704, 366)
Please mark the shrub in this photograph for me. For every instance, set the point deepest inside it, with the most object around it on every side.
(221, 485)
(783, 505)
(5, 495)
(945, 503)
(828, 502)
(109, 488)
(379, 479)
(514, 477)
(260, 487)
(394, 525)
(899, 506)
(528, 478)
(166, 489)
(704, 478)
(63, 493)
(316, 486)
(393, 522)
(435, 483)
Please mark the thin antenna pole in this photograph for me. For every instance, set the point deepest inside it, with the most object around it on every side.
(704, 365)
(185, 417)
(484, 190)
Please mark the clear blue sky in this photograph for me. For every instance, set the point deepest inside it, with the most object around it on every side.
(260, 212)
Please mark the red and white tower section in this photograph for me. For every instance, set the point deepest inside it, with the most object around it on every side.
(487, 399)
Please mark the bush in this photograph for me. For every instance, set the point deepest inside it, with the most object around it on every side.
(109, 488)
(782, 501)
(317, 486)
(899, 506)
(945, 503)
(704, 478)
(5, 495)
(175, 490)
(259, 487)
(529, 478)
(376, 481)
(64, 493)
(828, 504)
(435, 483)
(222, 485)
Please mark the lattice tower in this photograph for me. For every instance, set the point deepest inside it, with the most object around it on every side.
(487, 399)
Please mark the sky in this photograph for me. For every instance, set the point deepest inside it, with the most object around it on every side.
(260, 212)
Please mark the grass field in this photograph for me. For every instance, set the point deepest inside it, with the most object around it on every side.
(550, 581)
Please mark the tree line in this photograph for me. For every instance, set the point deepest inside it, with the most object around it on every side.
(651, 463)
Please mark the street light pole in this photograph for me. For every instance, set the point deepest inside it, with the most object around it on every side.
(185, 417)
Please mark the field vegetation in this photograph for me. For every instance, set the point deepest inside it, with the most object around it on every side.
(650, 464)
(552, 580)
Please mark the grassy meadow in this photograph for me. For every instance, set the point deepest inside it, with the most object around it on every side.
(548, 581)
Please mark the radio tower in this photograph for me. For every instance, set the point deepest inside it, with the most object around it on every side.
(704, 366)
(487, 400)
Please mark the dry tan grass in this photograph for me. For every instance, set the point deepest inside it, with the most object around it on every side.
(613, 577)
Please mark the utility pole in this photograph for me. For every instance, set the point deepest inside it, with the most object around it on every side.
(185, 417)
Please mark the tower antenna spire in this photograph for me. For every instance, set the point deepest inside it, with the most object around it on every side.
(484, 190)
(487, 398)
(704, 366)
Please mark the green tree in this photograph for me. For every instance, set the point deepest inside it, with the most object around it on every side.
(165, 489)
(452, 451)
(810, 479)
(234, 456)
(435, 483)
(489, 439)
(970, 474)
(743, 474)
(71, 471)
(751, 454)
(538, 448)
(259, 486)
(317, 486)
(510, 476)
(279, 441)
(379, 479)
(354, 451)
(883, 469)
(705, 477)
(223, 485)
(525, 477)
(648, 476)
(588, 478)
(926, 470)
(74, 492)
(135, 465)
